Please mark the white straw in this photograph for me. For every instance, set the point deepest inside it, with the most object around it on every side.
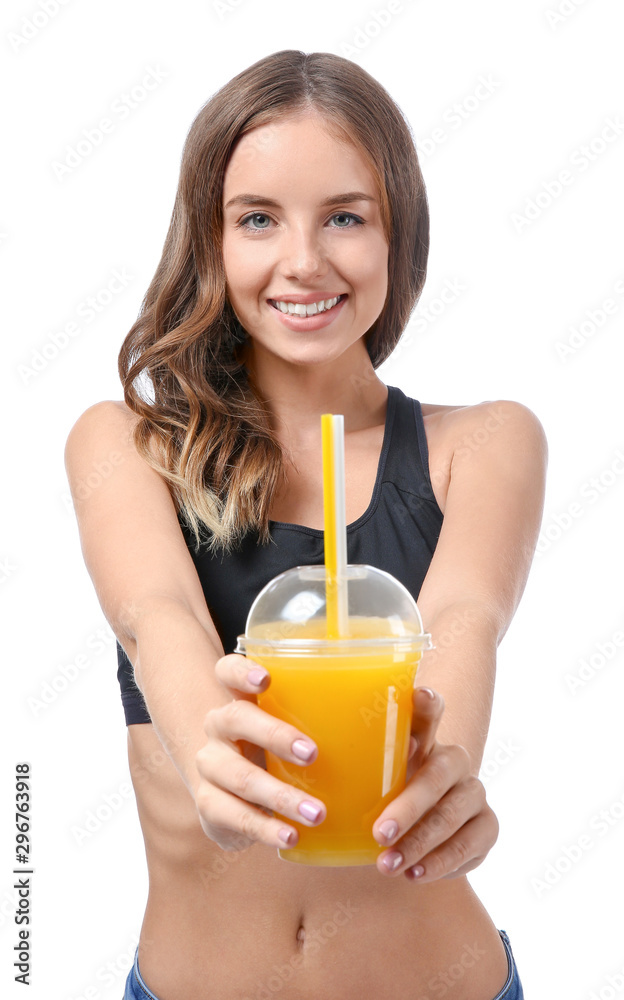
(341, 524)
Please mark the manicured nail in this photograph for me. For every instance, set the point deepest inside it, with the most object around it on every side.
(429, 692)
(302, 749)
(287, 836)
(417, 871)
(256, 676)
(389, 829)
(392, 861)
(309, 811)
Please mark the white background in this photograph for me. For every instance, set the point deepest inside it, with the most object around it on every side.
(555, 84)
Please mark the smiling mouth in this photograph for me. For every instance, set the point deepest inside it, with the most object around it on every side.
(304, 310)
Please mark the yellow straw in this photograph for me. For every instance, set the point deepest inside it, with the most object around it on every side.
(332, 430)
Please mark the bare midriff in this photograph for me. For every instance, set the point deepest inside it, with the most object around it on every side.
(247, 925)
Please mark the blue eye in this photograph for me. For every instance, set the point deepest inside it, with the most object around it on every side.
(254, 215)
(354, 220)
(347, 215)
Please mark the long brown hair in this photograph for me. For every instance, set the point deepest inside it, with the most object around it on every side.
(202, 425)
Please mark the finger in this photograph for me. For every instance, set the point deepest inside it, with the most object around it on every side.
(462, 852)
(235, 825)
(437, 827)
(244, 720)
(443, 769)
(231, 773)
(428, 708)
(240, 673)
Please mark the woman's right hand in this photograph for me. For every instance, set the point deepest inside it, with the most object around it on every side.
(236, 794)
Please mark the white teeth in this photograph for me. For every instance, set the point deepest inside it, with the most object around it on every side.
(301, 309)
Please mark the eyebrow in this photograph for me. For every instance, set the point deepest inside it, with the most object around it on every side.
(334, 199)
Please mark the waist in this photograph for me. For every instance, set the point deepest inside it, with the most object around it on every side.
(247, 925)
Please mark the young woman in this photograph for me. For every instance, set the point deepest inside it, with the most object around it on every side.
(296, 253)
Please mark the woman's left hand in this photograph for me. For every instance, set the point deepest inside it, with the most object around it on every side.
(444, 826)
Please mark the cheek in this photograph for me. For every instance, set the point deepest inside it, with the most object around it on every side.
(373, 268)
(239, 273)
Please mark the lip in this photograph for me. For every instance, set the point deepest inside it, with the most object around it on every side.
(305, 323)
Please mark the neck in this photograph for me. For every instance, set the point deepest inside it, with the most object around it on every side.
(297, 395)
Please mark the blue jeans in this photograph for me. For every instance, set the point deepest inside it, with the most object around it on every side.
(512, 990)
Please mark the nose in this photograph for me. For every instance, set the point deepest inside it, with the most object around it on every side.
(303, 255)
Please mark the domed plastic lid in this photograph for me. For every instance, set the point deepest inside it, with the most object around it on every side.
(290, 613)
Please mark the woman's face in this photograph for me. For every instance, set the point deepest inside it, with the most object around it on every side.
(302, 224)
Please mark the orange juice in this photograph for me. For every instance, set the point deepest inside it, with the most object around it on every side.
(357, 707)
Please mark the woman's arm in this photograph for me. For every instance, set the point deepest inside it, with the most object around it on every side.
(474, 584)
(144, 578)
(482, 560)
(151, 595)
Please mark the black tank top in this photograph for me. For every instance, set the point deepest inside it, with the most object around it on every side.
(398, 533)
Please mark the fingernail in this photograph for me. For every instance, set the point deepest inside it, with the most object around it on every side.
(309, 811)
(287, 836)
(302, 749)
(389, 829)
(392, 861)
(256, 676)
(417, 871)
(429, 692)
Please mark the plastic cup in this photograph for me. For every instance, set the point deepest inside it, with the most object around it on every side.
(351, 695)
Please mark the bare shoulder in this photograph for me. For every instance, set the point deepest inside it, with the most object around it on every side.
(513, 423)
(131, 538)
(458, 430)
(494, 457)
(458, 433)
(104, 432)
(105, 416)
